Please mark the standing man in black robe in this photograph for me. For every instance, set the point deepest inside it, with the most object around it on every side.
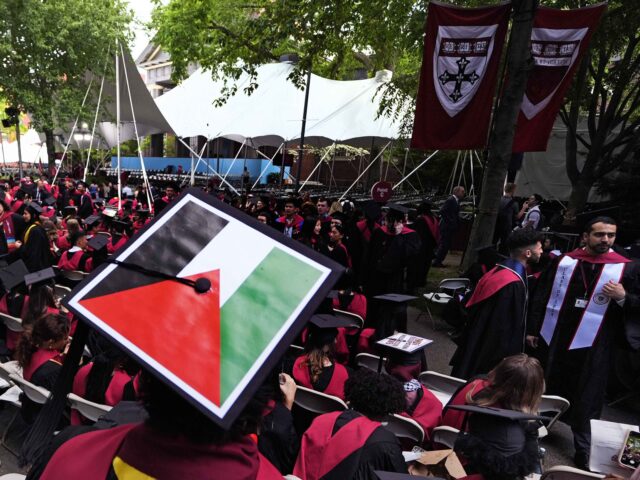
(449, 222)
(498, 310)
(580, 309)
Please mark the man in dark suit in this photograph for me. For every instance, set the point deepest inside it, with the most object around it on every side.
(449, 221)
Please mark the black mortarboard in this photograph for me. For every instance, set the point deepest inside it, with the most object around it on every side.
(498, 413)
(69, 210)
(395, 297)
(326, 320)
(339, 216)
(399, 476)
(120, 226)
(98, 242)
(372, 210)
(40, 276)
(35, 207)
(29, 189)
(91, 220)
(13, 275)
(396, 207)
(51, 201)
(333, 294)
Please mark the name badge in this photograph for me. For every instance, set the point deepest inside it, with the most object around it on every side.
(581, 303)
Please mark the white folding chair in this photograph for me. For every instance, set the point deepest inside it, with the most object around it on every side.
(12, 476)
(358, 320)
(317, 402)
(404, 427)
(555, 404)
(441, 385)
(367, 360)
(7, 368)
(10, 397)
(33, 392)
(562, 472)
(89, 410)
(60, 291)
(295, 350)
(445, 435)
(12, 323)
(447, 288)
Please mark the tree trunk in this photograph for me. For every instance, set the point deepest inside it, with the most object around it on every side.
(506, 117)
(578, 198)
(51, 148)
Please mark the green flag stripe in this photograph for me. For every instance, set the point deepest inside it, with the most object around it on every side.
(280, 281)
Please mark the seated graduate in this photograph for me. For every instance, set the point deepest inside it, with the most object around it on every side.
(516, 383)
(420, 404)
(64, 236)
(77, 258)
(317, 368)
(104, 378)
(278, 440)
(353, 444)
(176, 442)
(40, 353)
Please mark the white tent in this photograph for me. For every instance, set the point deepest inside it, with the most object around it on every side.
(341, 111)
(32, 149)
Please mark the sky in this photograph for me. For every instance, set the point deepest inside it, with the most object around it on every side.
(142, 10)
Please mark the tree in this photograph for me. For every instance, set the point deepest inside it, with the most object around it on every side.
(46, 49)
(605, 96)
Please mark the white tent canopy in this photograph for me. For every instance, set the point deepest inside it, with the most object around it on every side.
(32, 149)
(341, 111)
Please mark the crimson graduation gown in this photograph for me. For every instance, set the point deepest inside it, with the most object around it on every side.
(347, 445)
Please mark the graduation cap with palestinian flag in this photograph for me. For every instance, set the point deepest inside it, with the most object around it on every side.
(206, 298)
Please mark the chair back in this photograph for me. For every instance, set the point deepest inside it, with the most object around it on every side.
(358, 321)
(12, 476)
(12, 323)
(367, 360)
(442, 386)
(404, 427)
(445, 435)
(89, 410)
(33, 392)
(74, 275)
(562, 472)
(7, 368)
(60, 291)
(555, 405)
(452, 286)
(318, 402)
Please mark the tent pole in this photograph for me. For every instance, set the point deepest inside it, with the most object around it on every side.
(404, 165)
(414, 170)
(118, 128)
(4, 161)
(268, 165)
(473, 188)
(410, 184)
(93, 130)
(282, 166)
(234, 161)
(364, 171)
(304, 126)
(212, 170)
(453, 174)
(464, 162)
(192, 179)
(208, 157)
(199, 156)
(333, 164)
(313, 171)
(145, 179)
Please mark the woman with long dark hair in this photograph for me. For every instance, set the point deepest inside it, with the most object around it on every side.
(34, 245)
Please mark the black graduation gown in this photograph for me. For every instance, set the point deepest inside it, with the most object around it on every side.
(278, 440)
(581, 375)
(35, 251)
(495, 330)
(44, 376)
(419, 270)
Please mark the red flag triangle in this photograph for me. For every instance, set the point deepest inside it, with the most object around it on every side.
(171, 323)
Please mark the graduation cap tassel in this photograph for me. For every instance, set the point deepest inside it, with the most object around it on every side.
(42, 430)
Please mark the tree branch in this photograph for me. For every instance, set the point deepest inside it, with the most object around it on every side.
(242, 41)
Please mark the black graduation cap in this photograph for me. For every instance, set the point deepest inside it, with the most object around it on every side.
(396, 207)
(498, 413)
(327, 320)
(91, 220)
(333, 294)
(399, 476)
(98, 242)
(69, 210)
(40, 276)
(395, 297)
(120, 225)
(35, 207)
(50, 201)
(323, 328)
(29, 189)
(13, 275)
(372, 210)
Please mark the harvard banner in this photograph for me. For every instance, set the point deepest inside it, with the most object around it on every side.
(459, 70)
(558, 41)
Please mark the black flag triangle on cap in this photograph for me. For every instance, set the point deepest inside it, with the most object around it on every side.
(205, 280)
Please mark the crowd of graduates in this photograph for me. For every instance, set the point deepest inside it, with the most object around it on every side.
(382, 249)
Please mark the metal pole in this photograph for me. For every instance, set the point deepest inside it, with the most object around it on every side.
(313, 171)
(268, 165)
(363, 172)
(304, 126)
(333, 163)
(234, 160)
(4, 161)
(404, 165)
(19, 147)
(117, 128)
(414, 170)
(282, 166)
(188, 147)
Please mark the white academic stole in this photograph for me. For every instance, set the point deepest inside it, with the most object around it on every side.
(595, 310)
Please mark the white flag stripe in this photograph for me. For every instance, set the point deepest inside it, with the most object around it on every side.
(249, 251)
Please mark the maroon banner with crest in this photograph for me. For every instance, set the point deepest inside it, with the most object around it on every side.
(558, 41)
(459, 69)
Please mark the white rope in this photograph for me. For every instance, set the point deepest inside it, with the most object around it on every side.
(414, 170)
(209, 167)
(135, 128)
(267, 166)
(73, 129)
(93, 130)
(315, 168)
(234, 159)
(364, 171)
